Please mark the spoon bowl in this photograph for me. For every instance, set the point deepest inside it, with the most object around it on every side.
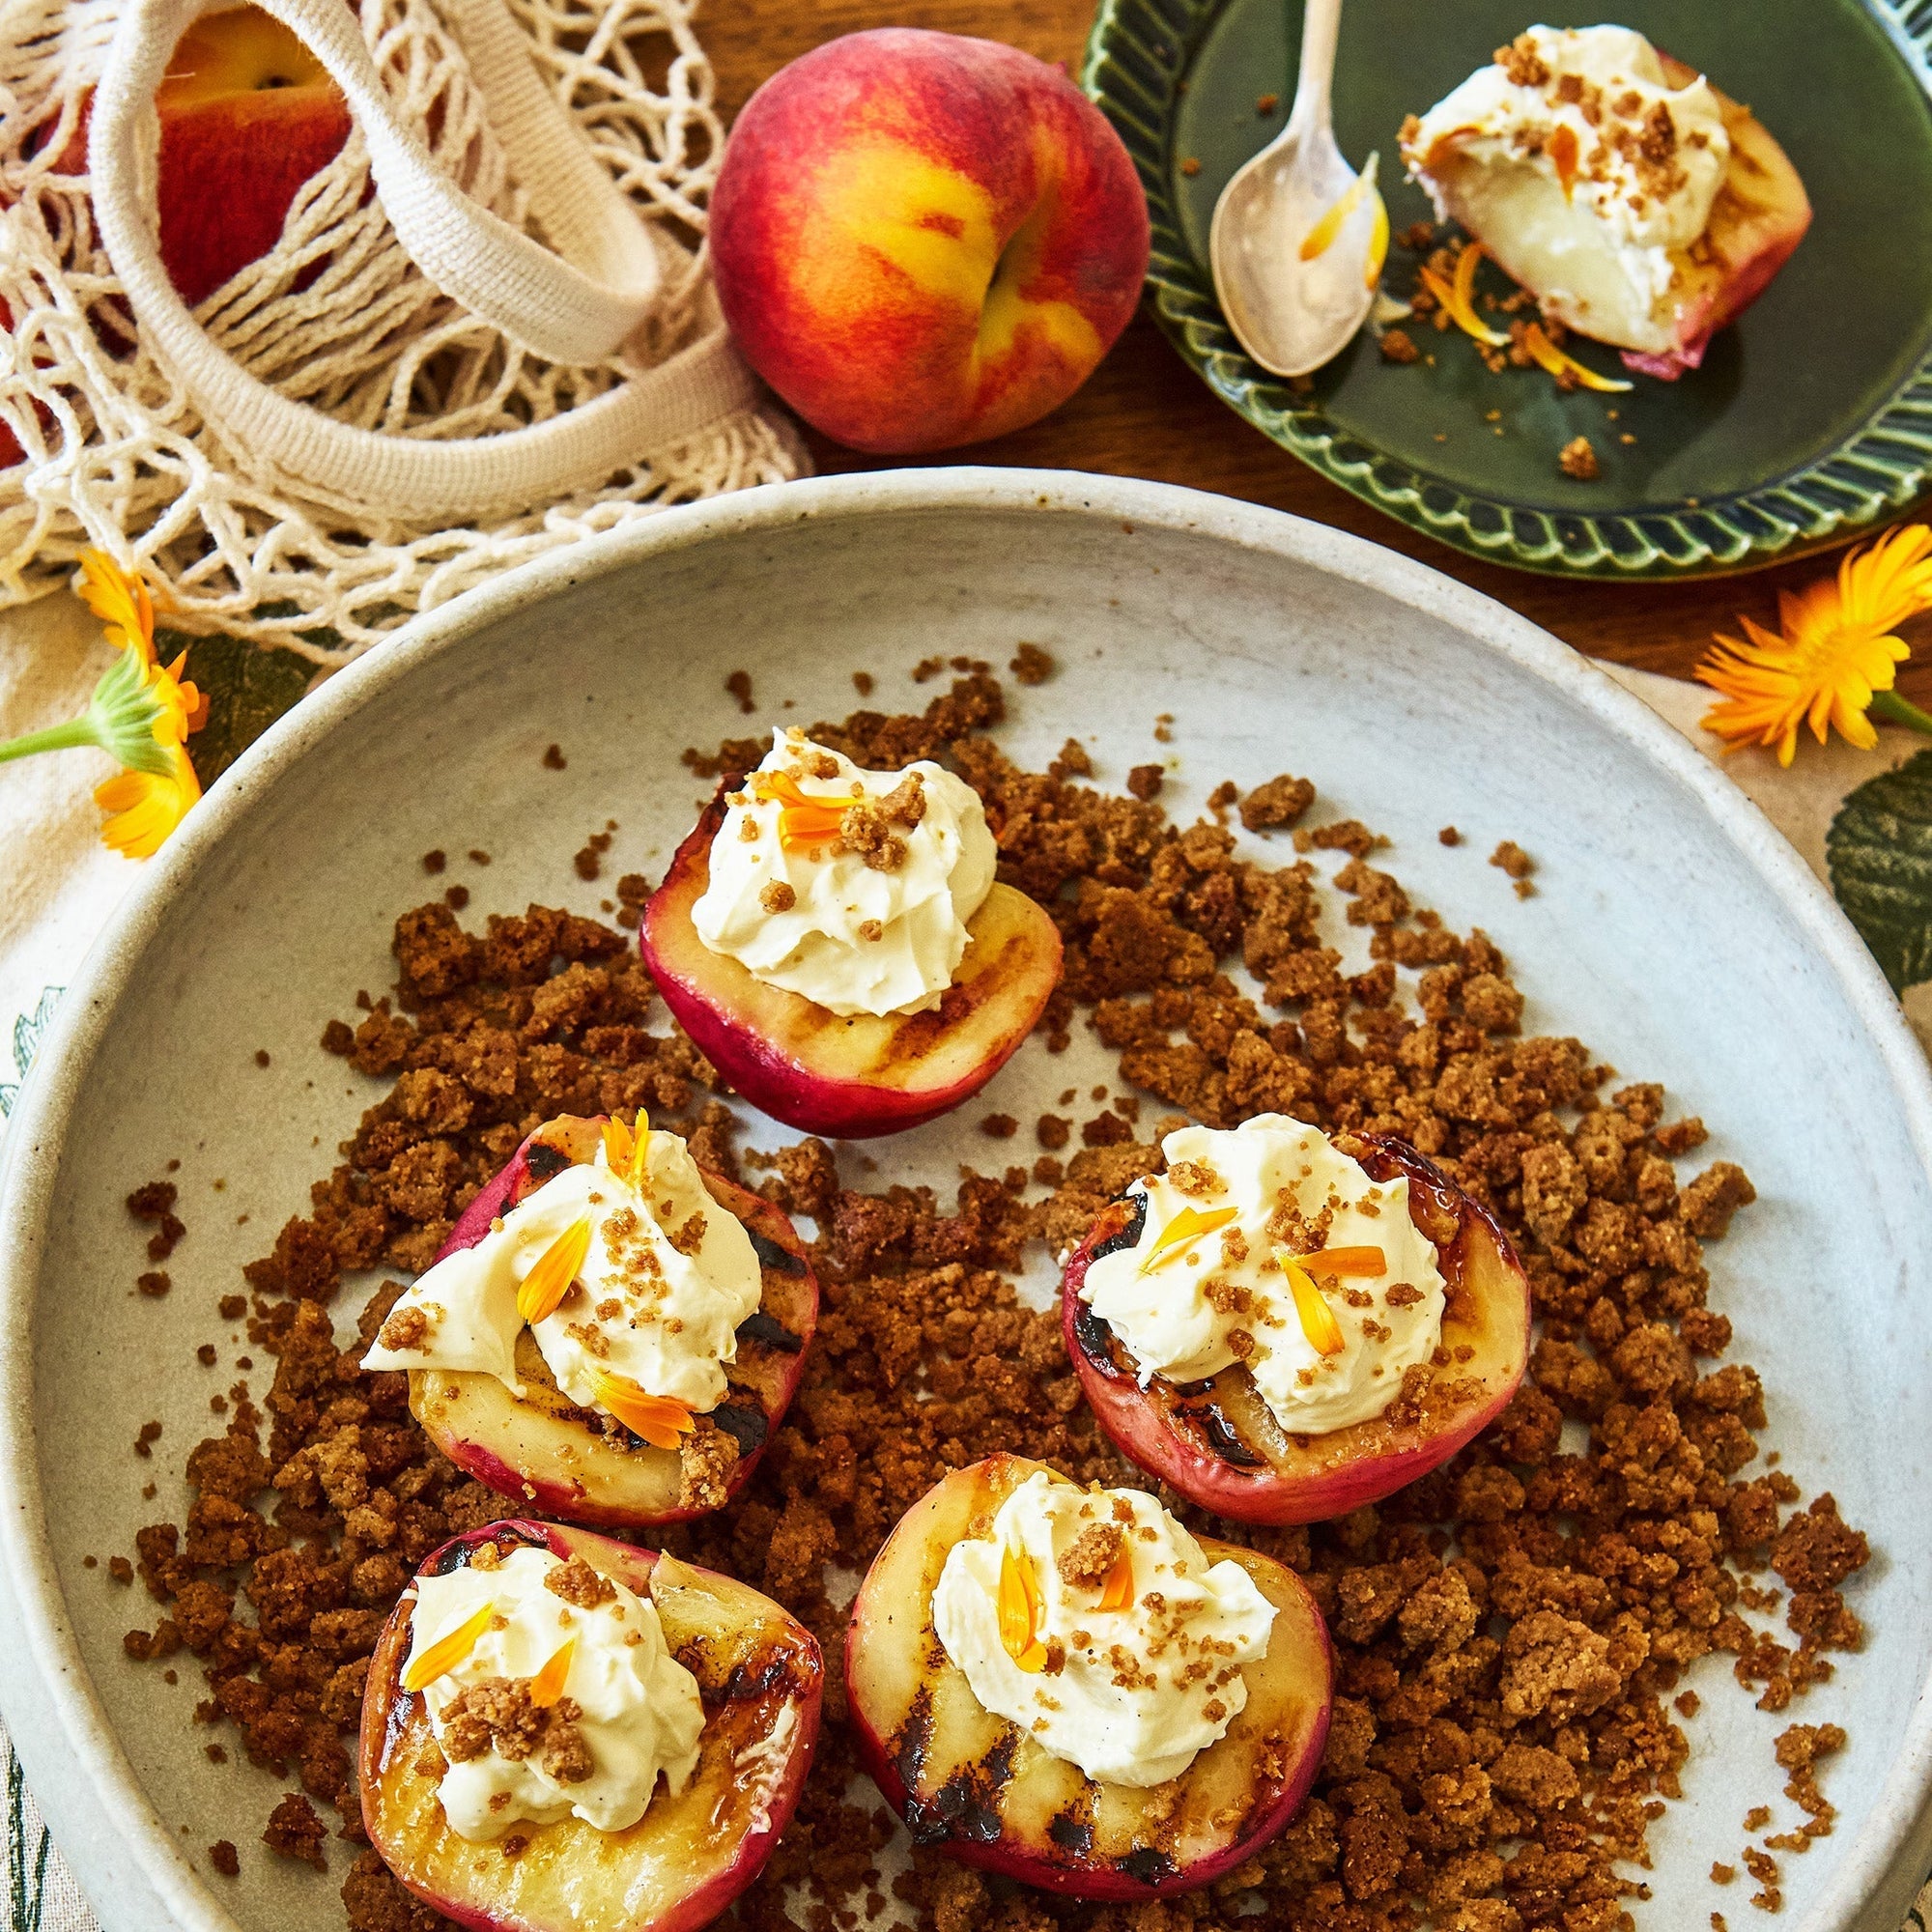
(1291, 310)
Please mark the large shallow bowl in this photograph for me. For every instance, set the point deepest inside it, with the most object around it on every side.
(1671, 929)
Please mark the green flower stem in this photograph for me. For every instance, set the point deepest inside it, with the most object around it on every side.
(120, 721)
(1895, 710)
(81, 730)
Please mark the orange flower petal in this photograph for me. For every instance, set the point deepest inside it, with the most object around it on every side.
(1546, 355)
(544, 1288)
(1318, 1319)
(1343, 1261)
(1020, 1612)
(1187, 1228)
(1457, 297)
(547, 1685)
(1322, 237)
(447, 1652)
(662, 1420)
(1118, 1594)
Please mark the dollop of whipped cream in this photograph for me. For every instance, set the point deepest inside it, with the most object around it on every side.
(667, 1277)
(850, 888)
(1091, 1620)
(1589, 112)
(1187, 1307)
(592, 1742)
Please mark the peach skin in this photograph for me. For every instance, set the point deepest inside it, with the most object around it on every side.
(922, 240)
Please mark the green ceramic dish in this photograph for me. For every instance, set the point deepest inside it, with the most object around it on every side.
(1811, 416)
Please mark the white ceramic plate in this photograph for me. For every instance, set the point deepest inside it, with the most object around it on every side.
(1671, 929)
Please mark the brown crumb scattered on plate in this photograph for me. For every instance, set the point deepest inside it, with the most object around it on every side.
(1577, 458)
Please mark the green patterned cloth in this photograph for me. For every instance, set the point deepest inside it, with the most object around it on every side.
(62, 886)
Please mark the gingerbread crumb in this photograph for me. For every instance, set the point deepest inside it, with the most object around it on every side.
(1577, 458)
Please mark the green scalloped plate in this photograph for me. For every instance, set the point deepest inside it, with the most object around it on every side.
(1811, 417)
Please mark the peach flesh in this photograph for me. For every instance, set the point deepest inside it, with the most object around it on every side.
(1220, 1446)
(540, 1451)
(848, 1078)
(688, 1856)
(972, 1785)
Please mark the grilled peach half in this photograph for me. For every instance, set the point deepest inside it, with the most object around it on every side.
(550, 1455)
(760, 1675)
(1218, 1442)
(827, 1074)
(979, 1789)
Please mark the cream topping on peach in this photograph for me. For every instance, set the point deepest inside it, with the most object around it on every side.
(1269, 1246)
(1578, 163)
(849, 888)
(552, 1694)
(632, 1278)
(1091, 1620)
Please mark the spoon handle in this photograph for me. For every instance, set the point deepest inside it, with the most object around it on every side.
(1321, 28)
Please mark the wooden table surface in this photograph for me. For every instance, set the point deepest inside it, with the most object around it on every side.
(1145, 413)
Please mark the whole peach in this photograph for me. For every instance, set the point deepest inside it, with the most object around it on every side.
(922, 240)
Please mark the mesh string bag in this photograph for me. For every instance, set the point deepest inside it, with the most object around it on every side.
(486, 329)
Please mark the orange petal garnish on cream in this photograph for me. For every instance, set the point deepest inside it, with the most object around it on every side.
(1343, 1261)
(1378, 245)
(544, 1288)
(447, 1652)
(1546, 354)
(805, 819)
(1118, 1591)
(660, 1419)
(1187, 1228)
(1564, 149)
(1322, 237)
(547, 1685)
(1318, 1319)
(1021, 1612)
(625, 1153)
(1457, 298)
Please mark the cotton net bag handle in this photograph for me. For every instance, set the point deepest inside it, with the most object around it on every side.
(580, 306)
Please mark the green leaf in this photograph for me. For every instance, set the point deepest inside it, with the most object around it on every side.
(248, 688)
(1880, 852)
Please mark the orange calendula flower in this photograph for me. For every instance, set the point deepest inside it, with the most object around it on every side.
(1182, 1232)
(1318, 1319)
(447, 1652)
(1022, 1612)
(547, 1685)
(541, 1292)
(805, 819)
(1836, 657)
(141, 715)
(662, 1420)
